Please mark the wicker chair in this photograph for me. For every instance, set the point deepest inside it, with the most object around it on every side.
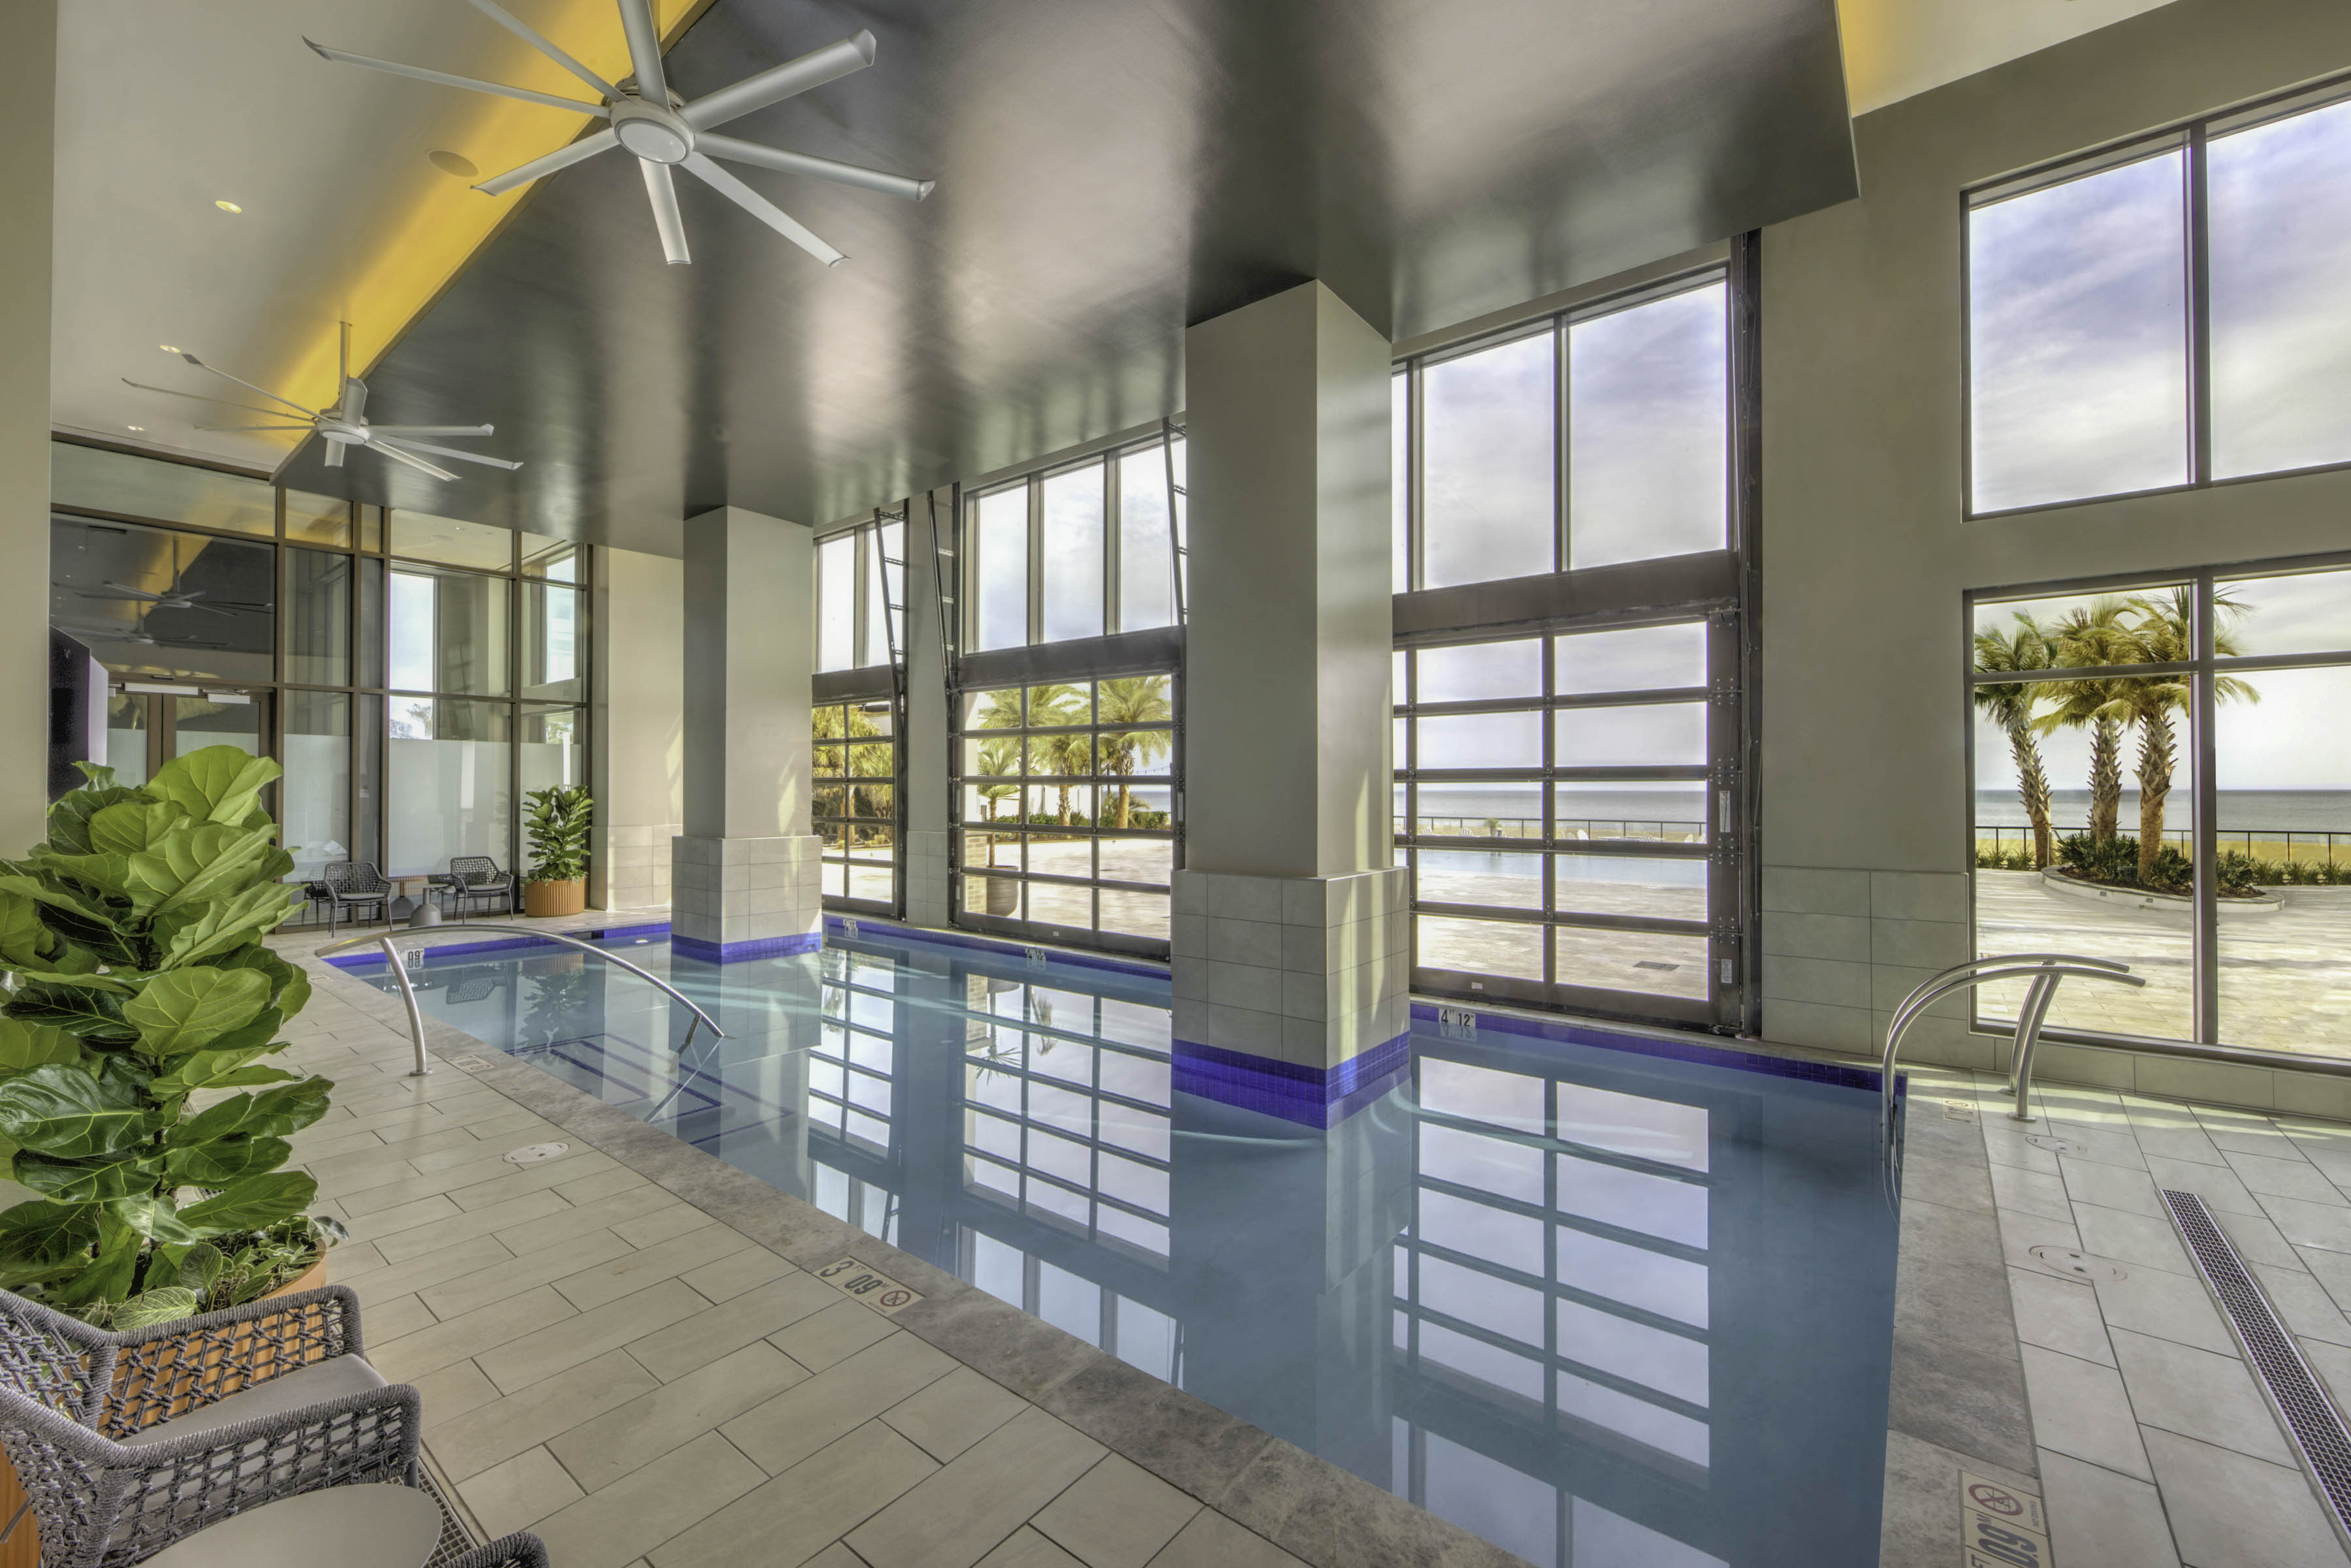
(125, 1443)
(475, 877)
(355, 884)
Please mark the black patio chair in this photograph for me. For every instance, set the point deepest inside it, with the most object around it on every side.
(472, 879)
(354, 886)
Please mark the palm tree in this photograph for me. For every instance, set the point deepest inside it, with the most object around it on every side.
(1057, 703)
(2163, 633)
(2009, 705)
(1131, 700)
(2084, 640)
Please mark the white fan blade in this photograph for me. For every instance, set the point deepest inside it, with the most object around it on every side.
(822, 168)
(289, 402)
(397, 455)
(779, 82)
(470, 84)
(406, 445)
(662, 191)
(199, 397)
(124, 591)
(538, 168)
(354, 399)
(407, 430)
(334, 450)
(343, 354)
(521, 30)
(644, 50)
(759, 207)
(249, 429)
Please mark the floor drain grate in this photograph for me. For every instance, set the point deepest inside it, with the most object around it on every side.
(531, 1154)
(2081, 1265)
(2311, 1421)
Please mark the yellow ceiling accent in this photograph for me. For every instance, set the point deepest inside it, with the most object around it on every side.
(422, 248)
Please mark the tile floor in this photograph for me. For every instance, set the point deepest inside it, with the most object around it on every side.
(2153, 1442)
(615, 1351)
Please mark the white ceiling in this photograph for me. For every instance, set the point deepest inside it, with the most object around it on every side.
(162, 109)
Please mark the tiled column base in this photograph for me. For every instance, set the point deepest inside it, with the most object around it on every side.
(927, 877)
(1291, 992)
(732, 899)
(637, 866)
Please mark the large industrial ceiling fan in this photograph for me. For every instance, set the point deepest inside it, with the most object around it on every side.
(342, 425)
(663, 131)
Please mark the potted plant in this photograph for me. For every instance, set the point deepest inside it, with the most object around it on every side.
(140, 986)
(556, 882)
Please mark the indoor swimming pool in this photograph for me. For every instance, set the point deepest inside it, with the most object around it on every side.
(1607, 1301)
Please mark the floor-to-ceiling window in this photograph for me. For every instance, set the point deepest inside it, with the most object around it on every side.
(413, 675)
(1571, 659)
(858, 713)
(2162, 777)
(1066, 735)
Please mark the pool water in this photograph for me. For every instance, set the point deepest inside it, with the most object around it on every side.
(1600, 1303)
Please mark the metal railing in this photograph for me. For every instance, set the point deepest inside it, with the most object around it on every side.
(2045, 970)
(1532, 828)
(387, 940)
(2293, 844)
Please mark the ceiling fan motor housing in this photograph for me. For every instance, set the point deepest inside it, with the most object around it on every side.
(653, 132)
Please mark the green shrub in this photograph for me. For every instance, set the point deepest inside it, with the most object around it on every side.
(557, 830)
(133, 937)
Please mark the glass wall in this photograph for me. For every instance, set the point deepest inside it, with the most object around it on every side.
(1568, 740)
(410, 697)
(1066, 809)
(854, 809)
(2094, 833)
(2163, 313)
(858, 808)
(1636, 394)
(1554, 808)
(1091, 549)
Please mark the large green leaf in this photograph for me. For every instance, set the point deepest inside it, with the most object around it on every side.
(132, 827)
(190, 866)
(92, 1015)
(46, 1232)
(155, 1217)
(108, 1277)
(291, 1107)
(69, 819)
(63, 1112)
(24, 1046)
(217, 924)
(252, 1204)
(163, 1305)
(185, 1009)
(97, 934)
(100, 1180)
(217, 784)
(218, 1069)
(290, 987)
(22, 934)
(224, 1161)
(108, 873)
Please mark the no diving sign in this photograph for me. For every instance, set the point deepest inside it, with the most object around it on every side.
(1999, 1526)
(869, 1285)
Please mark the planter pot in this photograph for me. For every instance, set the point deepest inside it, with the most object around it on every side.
(22, 1547)
(1003, 895)
(545, 900)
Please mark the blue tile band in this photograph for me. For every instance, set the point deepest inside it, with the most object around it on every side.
(739, 952)
(364, 962)
(1697, 1048)
(1310, 1096)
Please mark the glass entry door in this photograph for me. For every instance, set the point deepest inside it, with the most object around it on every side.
(146, 730)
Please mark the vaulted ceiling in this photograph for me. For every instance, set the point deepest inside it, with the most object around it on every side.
(1109, 171)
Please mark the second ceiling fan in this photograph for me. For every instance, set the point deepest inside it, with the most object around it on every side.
(663, 131)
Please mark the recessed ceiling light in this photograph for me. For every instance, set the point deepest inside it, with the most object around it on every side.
(136, 429)
(169, 348)
(228, 206)
(450, 162)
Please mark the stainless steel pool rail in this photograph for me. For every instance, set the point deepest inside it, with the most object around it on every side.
(2045, 969)
(388, 940)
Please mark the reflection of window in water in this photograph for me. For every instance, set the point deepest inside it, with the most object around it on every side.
(1065, 1110)
(1556, 1262)
(850, 1066)
(1140, 1335)
(873, 1209)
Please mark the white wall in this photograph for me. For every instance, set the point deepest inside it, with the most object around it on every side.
(637, 729)
(29, 42)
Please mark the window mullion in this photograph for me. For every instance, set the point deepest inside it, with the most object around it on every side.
(2205, 983)
(1560, 478)
(2200, 309)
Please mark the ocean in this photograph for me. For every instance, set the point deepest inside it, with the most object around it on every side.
(2265, 811)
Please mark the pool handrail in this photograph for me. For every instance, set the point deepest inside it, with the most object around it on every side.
(2045, 970)
(408, 992)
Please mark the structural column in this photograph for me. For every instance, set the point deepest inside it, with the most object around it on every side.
(926, 739)
(1289, 931)
(744, 873)
(28, 41)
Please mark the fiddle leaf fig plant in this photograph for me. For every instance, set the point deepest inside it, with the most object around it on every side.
(136, 1101)
(557, 830)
